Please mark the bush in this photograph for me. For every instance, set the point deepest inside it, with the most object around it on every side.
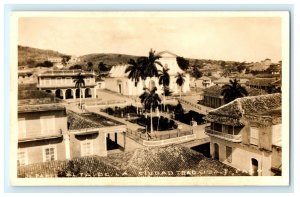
(190, 116)
(162, 123)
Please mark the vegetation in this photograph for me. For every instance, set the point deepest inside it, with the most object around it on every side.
(159, 123)
(182, 63)
(75, 67)
(233, 90)
(89, 66)
(164, 79)
(79, 83)
(150, 100)
(135, 70)
(28, 56)
(122, 112)
(180, 81)
(46, 64)
(65, 59)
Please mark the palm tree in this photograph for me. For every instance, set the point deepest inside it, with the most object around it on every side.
(149, 65)
(150, 100)
(79, 83)
(164, 79)
(233, 90)
(135, 71)
(180, 80)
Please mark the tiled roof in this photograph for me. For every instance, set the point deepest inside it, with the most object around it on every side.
(262, 81)
(263, 108)
(118, 71)
(78, 121)
(226, 81)
(215, 91)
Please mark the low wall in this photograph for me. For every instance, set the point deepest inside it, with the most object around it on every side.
(169, 141)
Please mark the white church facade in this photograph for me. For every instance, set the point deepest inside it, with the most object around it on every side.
(117, 80)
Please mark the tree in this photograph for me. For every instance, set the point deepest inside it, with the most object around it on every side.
(164, 79)
(149, 63)
(102, 67)
(90, 66)
(233, 90)
(150, 100)
(180, 80)
(182, 63)
(79, 83)
(65, 59)
(135, 71)
(75, 67)
(196, 73)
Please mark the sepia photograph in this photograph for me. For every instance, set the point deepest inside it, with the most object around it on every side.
(150, 98)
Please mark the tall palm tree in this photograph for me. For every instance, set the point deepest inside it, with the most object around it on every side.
(150, 100)
(233, 90)
(149, 65)
(164, 79)
(79, 83)
(135, 71)
(180, 80)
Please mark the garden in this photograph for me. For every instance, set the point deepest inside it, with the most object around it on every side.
(159, 123)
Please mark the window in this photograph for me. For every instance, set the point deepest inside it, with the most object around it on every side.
(22, 127)
(86, 148)
(58, 80)
(47, 124)
(47, 81)
(22, 157)
(49, 154)
(254, 136)
(229, 154)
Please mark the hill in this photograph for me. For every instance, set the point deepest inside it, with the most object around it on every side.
(28, 56)
(110, 59)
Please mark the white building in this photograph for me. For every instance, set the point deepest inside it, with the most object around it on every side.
(118, 81)
(61, 83)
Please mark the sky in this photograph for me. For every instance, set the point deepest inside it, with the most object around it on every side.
(249, 39)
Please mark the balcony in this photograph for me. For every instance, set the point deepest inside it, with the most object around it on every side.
(224, 136)
(63, 85)
(39, 136)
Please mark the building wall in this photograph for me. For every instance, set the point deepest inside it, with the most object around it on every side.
(35, 149)
(128, 87)
(33, 123)
(242, 155)
(76, 140)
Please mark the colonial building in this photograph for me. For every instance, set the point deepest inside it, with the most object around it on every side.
(262, 83)
(246, 134)
(41, 126)
(47, 131)
(226, 80)
(61, 83)
(118, 81)
(211, 97)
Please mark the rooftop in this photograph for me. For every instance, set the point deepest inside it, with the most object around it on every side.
(88, 120)
(215, 91)
(264, 109)
(227, 79)
(262, 81)
(67, 73)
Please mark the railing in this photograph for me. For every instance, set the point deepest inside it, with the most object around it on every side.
(67, 72)
(141, 135)
(39, 136)
(224, 136)
(61, 84)
(191, 104)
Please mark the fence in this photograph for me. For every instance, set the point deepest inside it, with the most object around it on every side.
(190, 104)
(142, 135)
